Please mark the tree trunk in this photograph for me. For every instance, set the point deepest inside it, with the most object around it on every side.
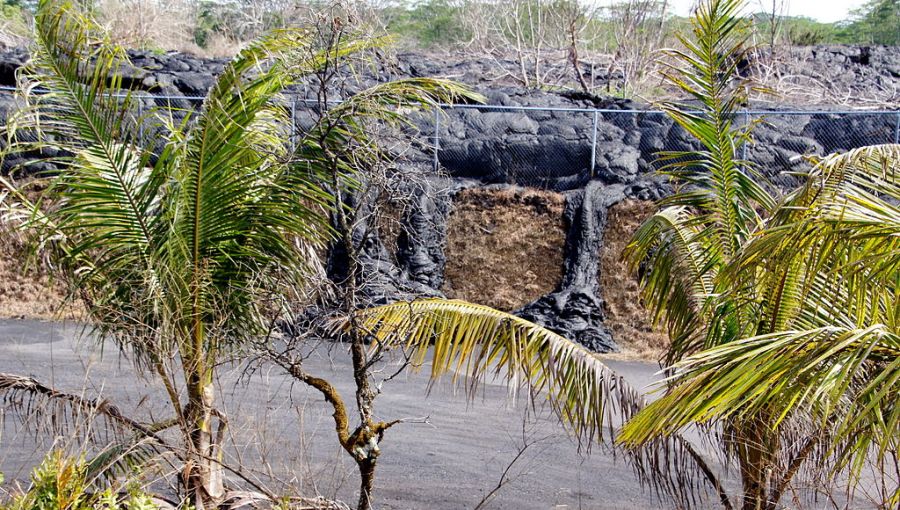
(573, 56)
(366, 481)
(756, 447)
(202, 476)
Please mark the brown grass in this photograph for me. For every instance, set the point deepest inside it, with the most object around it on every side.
(388, 225)
(626, 316)
(26, 289)
(504, 248)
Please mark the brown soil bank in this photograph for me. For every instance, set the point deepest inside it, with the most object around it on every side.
(504, 248)
(626, 316)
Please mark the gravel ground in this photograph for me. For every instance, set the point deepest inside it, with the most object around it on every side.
(451, 462)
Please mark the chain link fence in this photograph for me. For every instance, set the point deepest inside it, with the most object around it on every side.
(562, 148)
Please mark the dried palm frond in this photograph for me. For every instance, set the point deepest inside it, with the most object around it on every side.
(59, 412)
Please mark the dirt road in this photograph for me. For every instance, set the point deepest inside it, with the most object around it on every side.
(450, 462)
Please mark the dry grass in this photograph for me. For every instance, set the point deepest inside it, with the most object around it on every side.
(163, 24)
(626, 316)
(26, 289)
(504, 248)
(389, 225)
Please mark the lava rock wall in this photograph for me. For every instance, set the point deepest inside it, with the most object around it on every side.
(519, 146)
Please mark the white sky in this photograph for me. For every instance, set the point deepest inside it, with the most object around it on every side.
(827, 11)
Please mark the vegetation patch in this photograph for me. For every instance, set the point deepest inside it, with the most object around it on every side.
(626, 316)
(504, 247)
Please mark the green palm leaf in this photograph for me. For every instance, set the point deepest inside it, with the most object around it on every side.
(781, 313)
(677, 265)
(827, 349)
(477, 342)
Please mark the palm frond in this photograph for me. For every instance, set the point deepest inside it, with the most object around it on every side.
(392, 101)
(826, 347)
(677, 266)
(57, 412)
(846, 378)
(707, 70)
(681, 251)
(121, 460)
(239, 203)
(476, 342)
(102, 223)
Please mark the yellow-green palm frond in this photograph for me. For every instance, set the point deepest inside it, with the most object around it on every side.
(75, 100)
(719, 201)
(826, 349)
(842, 378)
(477, 342)
(855, 210)
(234, 204)
(101, 223)
(391, 101)
(720, 184)
(830, 255)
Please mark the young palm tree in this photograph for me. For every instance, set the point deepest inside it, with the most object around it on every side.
(173, 251)
(684, 248)
(699, 259)
(824, 364)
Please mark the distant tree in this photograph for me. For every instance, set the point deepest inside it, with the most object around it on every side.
(876, 22)
(802, 31)
(428, 23)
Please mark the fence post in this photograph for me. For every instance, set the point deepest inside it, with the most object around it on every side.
(140, 120)
(437, 136)
(744, 145)
(594, 141)
(897, 129)
(293, 136)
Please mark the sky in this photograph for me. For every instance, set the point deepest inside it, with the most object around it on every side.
(827, 11)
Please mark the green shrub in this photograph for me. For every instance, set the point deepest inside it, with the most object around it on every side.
(62, 482)
(14, 25)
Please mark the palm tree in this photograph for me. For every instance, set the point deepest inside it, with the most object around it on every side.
(715, 281)
(718, 205)
(824, 362)
(174, 251)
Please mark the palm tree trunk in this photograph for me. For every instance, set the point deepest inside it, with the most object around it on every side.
(756, 447)
(202, 476)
